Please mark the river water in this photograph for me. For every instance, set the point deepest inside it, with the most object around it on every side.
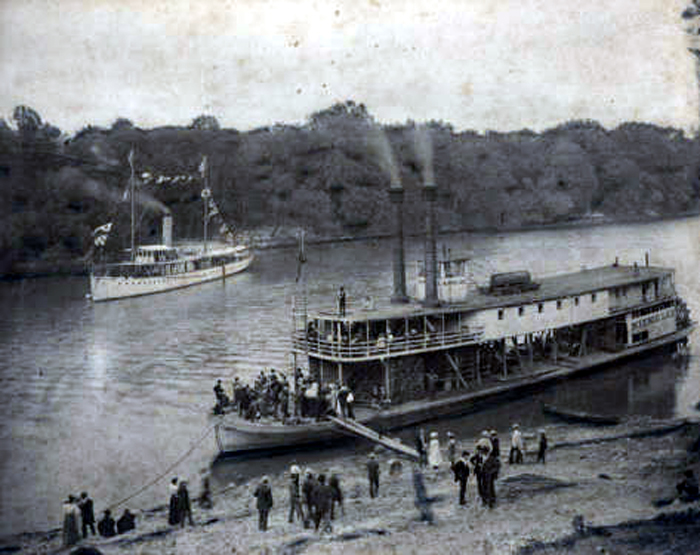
(105, 397)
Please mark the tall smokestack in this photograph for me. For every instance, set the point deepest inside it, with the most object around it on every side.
(167, 229)
(431, 294)
(396, 196)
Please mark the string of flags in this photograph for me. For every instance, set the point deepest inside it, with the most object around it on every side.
(100, 234)
(212, 212)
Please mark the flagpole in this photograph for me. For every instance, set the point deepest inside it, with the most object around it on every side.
(133, 206)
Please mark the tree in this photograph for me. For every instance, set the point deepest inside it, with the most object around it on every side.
(205, 123)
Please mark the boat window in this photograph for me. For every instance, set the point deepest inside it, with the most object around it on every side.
(521, 310)
(593, 297)
(540, 308)
(500, 314)
(576, 301)
(559, 304)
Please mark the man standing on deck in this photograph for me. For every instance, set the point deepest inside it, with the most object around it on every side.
(373, 475)
(341, 301)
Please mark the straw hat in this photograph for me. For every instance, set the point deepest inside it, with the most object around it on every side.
(295, 470)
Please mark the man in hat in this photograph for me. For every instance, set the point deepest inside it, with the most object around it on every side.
(184, 508)
(323, 501)
(516, 446)
(173, 515)
(307, 492)
(87, 514)
(461, 471)
(451, 449)
(295, 494)
(373, 475)
(263, 493)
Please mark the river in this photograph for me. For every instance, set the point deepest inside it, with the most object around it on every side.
(105, 397)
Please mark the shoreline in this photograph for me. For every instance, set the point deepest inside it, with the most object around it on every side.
(73, 267)
(610, 476)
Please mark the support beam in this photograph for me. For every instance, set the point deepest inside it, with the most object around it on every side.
(387, 379)
(478, 366)
(505, 362)
(455, 367)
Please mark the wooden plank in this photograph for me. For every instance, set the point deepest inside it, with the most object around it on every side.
(358, 429)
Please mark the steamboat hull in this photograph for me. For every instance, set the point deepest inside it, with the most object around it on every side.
(236, 436)
(107, 288)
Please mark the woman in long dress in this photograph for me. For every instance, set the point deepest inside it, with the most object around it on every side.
(71, 514)
(434, 455)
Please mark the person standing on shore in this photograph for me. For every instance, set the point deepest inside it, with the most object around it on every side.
(422, 501)
(87, 514)
(307, 490)
(422, 447)
(173, 515)
(334, 483)
(434, 455)
(295, 494)
(71, 536)
(489, 471)
(323, 500)
(373, 475)
(184, 508)
(542, 448)
(451, 449)
(264, 503)
(516, 446)
(461, 471)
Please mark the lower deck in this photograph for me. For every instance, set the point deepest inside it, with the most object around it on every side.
(236, 435)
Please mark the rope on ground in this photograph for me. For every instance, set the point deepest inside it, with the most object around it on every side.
(167, 471)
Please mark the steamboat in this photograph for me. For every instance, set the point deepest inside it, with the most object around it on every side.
(149, 269)
(453, 344)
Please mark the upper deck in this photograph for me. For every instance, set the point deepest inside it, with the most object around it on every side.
(558, 301)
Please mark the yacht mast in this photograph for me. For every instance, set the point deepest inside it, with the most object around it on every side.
(132, 191)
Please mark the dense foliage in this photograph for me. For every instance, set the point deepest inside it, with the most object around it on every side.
(330, 176)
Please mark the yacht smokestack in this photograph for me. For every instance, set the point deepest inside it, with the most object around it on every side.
(430, 196)
(168, 229)
(396, 196)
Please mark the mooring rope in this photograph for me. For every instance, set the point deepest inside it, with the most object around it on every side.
(167, 471)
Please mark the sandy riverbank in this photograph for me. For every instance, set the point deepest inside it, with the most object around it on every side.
(606, 482)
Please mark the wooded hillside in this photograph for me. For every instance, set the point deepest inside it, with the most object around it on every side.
(330, 176)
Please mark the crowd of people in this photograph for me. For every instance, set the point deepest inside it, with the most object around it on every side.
(79, 520)
(271, 396)
(315, 500)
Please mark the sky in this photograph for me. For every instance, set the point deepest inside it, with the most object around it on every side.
(476, 64)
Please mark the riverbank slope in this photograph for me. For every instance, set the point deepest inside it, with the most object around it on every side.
(606, 476)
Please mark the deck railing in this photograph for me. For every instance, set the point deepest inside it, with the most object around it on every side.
(354, 349)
